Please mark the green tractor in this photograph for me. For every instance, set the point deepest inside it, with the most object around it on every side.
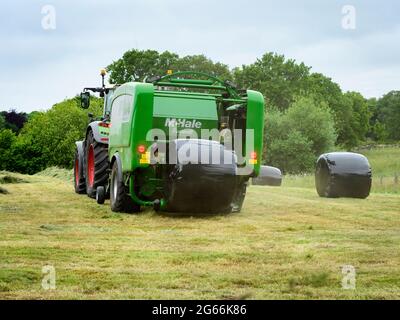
(184, 142)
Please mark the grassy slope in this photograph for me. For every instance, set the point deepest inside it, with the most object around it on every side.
(286, 243)
(384, 161)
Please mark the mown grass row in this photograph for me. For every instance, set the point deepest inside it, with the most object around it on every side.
(286, 243)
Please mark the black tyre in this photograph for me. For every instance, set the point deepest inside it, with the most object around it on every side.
(119, 195)
(79, 179)
(100, 195)
(96, 165)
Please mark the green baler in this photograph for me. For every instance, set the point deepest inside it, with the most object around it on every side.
(184, 142)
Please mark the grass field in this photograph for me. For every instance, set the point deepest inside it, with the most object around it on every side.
(286, 243)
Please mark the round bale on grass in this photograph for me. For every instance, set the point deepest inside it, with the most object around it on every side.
(343, 174)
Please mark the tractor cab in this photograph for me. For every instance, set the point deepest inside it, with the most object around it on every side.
(104, 91)
(108, 101)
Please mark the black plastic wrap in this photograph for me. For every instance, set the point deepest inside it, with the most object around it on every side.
(269, 176)
(200, 184)
(343, 174)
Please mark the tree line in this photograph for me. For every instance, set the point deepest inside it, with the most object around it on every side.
(306, 113)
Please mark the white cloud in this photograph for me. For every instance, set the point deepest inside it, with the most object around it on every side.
(368, 64)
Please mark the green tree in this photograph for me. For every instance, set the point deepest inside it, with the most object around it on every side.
(26, 158)
(325, 91)
(373, 119)
(51, 135)
(135, 65)
(293, 139)
(2, 122)
(282, 81)
(315, 122)
(379, 131)
(7, 140)
(292, 154)
(201, 63)
(14, 120)
(278, 79)
(388, 114)
(350, 110)
(357, 122)
(33, 114)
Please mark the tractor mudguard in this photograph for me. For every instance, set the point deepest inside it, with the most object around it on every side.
(117, 158)
(97, 132)
(269, 176)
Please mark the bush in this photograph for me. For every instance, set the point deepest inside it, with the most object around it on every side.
(7, 140)
(2, 122)
(26, 158)
(18, 154)
(13, 120)
(52, 134)
(294, 139)
(314, 122)
(47, 139)
(388, 113)
(292, 154)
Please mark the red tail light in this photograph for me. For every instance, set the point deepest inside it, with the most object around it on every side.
(141, 148)
(253, 155)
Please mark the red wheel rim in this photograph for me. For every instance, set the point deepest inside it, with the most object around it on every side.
(91, 166)
(76, 172)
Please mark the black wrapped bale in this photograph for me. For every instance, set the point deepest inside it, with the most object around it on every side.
(343, 174)
(202, 182)
(269, 176)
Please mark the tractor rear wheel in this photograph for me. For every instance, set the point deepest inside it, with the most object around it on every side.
(119, 194)
(96, 165)
(79, 179)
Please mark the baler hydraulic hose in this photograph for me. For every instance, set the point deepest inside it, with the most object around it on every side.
(157, 204)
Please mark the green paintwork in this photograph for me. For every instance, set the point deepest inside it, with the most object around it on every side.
(255, 121)
(128, 133)
(104, 132)
(184, 112)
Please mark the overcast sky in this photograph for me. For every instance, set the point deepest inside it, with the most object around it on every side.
(41, 66)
